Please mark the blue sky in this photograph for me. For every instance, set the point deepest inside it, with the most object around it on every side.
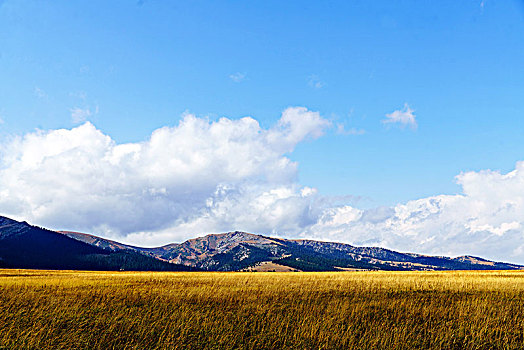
(130, 68)
(458, 64)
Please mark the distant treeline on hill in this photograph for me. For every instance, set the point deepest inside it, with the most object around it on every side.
(25, 246)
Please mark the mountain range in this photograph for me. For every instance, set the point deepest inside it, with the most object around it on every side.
(26, 246)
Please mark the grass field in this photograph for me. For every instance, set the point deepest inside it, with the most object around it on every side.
(256, 310)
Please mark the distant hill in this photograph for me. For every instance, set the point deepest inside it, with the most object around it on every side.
(234, 251)
(26, 246)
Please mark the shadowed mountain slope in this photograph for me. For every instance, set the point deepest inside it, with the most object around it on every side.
(26, 246)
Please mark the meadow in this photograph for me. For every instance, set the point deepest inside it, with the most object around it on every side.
(261, 310)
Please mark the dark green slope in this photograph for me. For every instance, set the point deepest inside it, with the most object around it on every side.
(26, 246)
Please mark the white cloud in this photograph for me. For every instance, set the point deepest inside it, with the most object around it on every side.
(197, 171)
(201, 177)
(238, 77)
(82, 95)
(315, 82)
(40, 93)
(80, 115)
(404, 117)
(487, 219)
(341, 130)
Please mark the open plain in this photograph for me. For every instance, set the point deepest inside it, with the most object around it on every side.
(261, 310)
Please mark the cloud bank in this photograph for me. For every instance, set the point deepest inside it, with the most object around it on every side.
(181, 176)
(204, 176)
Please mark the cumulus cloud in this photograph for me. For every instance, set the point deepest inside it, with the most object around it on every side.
(403, 117)
(197, 171)
(486, 219)
(204, 176)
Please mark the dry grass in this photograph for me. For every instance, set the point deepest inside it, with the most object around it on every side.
(361, 310)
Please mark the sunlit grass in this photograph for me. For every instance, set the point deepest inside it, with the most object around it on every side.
(156, 310)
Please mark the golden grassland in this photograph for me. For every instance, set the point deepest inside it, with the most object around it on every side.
(257, 310)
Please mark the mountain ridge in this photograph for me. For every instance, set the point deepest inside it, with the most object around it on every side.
(25, 246)
(238, 250)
